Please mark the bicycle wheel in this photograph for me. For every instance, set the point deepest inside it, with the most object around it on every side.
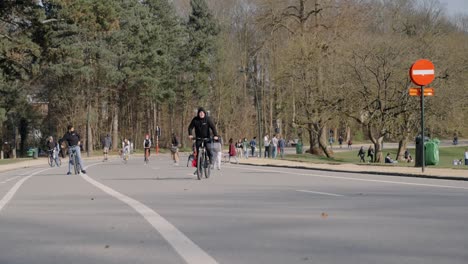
(200, 166)
(51, 161)
(207, 166)
(125, 157)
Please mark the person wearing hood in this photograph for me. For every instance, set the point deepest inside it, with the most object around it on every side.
(202, 125)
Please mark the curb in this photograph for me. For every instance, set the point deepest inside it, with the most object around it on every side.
(398, 174)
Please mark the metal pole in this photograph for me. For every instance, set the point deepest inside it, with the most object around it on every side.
(422, 129)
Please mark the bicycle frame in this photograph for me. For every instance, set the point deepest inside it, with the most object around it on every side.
(203, 165)
(54, 157)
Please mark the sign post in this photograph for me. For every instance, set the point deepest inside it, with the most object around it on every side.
(422, 73)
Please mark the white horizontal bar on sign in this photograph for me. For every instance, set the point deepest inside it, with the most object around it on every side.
(423, 72)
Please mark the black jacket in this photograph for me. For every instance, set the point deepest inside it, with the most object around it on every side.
(72, 138)
(202, 126)
(51, 145)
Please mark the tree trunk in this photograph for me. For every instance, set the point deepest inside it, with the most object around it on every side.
(115, 127)
(314, 141)
(378, 150)
(89, 136)
(348, 133)
(402, 145)
(323, 142)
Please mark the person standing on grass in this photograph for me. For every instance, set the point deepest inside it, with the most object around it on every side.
(370, 153)
(466, 157)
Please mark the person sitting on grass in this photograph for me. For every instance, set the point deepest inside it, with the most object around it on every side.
(389, 159)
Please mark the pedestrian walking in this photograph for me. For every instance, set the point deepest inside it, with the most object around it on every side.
(370, 153)
(274, 147)
(340, 141)
(232, 150)
(217, 147)
(175, 149)
(361, 154)
(266, 141)
(106, 145)
(350, 144)
(245, 148)
(253, 145)
(281, 145)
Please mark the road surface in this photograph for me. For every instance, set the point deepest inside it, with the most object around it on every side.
(160, 213)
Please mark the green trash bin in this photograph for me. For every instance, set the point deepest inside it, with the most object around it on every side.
(299, 147)
(30, 152)
(36, 153)
(432, 152)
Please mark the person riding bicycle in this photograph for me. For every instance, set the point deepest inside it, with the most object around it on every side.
(202, 124)
(53, 146)
(147, 145)
(73, 140)
(125, 148)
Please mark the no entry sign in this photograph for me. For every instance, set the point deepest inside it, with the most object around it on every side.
(422, 72)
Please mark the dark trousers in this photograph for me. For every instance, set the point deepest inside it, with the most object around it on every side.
(267, 152)
(253, 151)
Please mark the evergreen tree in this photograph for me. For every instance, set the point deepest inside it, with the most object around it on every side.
(202, 31)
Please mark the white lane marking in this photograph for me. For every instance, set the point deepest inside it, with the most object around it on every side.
(5, 181)
(15, 188)
(186, 248)
(324, 193)
(357, 179)
(423, 72)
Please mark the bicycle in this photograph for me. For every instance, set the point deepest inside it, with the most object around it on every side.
(74, 160)
(53, 156)
(203, 163)
(146, 155)
(125, 155)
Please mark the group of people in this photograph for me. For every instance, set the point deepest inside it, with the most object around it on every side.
(274, 146)
(340, 142)
(73, 141)
(388, 159)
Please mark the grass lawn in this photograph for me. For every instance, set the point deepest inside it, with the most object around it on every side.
(446, 156)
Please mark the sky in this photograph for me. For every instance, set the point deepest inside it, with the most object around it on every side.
(456, 6)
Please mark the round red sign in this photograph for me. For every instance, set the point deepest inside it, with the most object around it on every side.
(422, 72)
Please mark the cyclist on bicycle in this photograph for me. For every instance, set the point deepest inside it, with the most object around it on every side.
(202, 124)
(147, 146)
(53, 146)
(73, 140)
(125, 148)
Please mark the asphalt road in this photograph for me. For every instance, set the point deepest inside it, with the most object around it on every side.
(159, 213)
